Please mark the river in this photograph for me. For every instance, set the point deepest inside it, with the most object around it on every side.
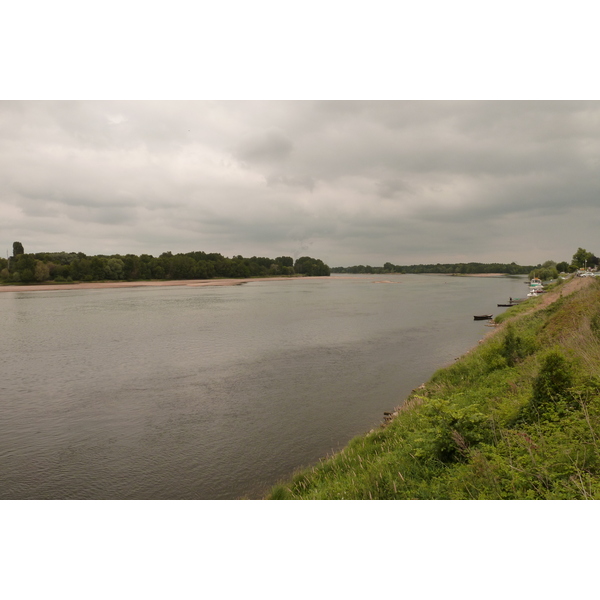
(216, 392)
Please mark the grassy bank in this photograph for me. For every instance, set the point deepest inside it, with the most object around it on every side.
(518, 417)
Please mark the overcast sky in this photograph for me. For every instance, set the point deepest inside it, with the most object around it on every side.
(349, 182)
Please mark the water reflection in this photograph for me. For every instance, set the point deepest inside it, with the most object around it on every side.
(214, 392)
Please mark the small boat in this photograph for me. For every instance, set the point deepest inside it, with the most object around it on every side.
(534, 282)
(482, 317)
(513, 302)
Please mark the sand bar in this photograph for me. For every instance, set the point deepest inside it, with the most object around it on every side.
(129, 284)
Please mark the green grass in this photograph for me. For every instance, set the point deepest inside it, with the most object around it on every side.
(516, 418)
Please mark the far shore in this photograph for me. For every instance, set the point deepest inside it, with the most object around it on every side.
(482, 274)
(99, 285)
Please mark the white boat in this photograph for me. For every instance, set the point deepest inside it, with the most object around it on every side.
(535, 283)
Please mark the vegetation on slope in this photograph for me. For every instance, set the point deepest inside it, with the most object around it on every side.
(516, 418)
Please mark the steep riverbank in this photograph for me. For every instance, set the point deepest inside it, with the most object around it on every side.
(518, 417)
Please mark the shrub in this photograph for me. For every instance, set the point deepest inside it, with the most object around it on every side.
(553, 381)
(512, 346)
(448, 432)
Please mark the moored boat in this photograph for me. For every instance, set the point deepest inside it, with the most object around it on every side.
(482, 317)
(534, 282)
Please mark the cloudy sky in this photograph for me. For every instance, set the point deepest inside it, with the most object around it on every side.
(350, 182)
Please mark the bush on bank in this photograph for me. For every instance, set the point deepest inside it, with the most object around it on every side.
(516, 418)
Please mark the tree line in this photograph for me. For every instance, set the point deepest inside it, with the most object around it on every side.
(61, 267)
(582, 259)
(545, 271)
(448, 268)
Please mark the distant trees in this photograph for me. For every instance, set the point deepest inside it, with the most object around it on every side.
(550, 269)
(18, 249)
(545, 272)
(311, 266)
(71, 266)
(448, 268)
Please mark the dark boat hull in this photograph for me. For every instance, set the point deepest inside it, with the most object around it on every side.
(482, 317)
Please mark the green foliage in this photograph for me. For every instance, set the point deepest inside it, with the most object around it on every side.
(583, 259)
(452, 268)
(512, 346)
(280, 493)
(114, 269)
(27, 276)
(60, 266)
(306, 265)
(553, 381)
(285, 261)
(448, 432)
(17, 249)
(544, 273)
(42, 271)
(513, 311)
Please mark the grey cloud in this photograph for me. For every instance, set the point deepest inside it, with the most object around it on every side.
(301, 181)
(353, 181)
(265, 147)
(392, 187)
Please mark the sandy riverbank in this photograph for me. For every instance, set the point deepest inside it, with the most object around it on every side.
(128, 284)
(482, 274)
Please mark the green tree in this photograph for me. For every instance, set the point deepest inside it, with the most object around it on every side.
(285, 261)
(182, 267)
(27, 275)
(114, 268)
(544, 273)
(512, 346)
(24, 264)
(42, 271)
(582, 258)
(98, 267)
(18, 249)
(553, 381)
(133, 267)
(306, 265)
(81, 269)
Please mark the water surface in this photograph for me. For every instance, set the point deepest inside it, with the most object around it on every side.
(215, 392)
